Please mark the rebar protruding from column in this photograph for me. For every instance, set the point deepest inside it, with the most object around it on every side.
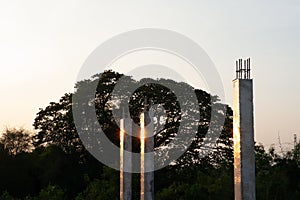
(242, 69)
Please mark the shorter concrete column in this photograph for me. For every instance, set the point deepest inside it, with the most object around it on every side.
(126, 160)
(149, 159)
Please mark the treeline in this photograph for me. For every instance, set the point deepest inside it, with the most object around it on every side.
(53, 163)
(51, 173)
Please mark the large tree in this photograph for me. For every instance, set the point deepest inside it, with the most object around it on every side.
(55, 124)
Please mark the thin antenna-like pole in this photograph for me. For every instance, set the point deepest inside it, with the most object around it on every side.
(280, 145)
(245, 69)
(240, 68)
(249, 66)
(236, 70)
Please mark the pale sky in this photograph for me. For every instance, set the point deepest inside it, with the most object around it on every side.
(43, 44)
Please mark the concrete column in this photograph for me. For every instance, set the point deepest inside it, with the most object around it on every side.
(126, 161)
(149, 159)
(243, 135)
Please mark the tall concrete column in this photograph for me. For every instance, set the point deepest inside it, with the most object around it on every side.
(243, 133)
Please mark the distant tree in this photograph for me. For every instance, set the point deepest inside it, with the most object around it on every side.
(295, 154)
(17, 140)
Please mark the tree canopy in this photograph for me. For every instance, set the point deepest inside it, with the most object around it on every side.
(55, 124)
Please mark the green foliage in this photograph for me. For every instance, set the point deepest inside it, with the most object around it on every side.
(105, 188)
(195, 183)
(6, 196)
(51, 192)
(277, 176)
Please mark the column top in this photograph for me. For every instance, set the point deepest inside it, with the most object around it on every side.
(243, 71)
